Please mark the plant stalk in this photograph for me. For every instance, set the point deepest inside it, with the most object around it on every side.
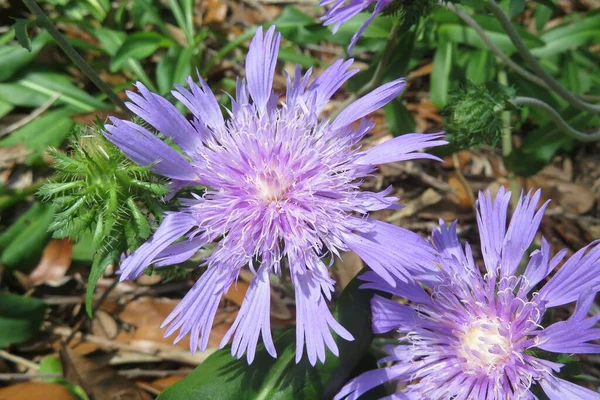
(558, 120)
(533, 62)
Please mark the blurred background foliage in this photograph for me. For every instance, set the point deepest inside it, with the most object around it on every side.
(457, 83)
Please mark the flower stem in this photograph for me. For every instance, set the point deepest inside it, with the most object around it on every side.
(45, 22)
(507, 142)
(534, 64)
(557, 119)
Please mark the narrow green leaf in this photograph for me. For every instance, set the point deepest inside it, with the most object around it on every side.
(15, 57)
(136, 46)
(101, 262)
(139, 218)
(21, 34)
(479, 66)
(26, 246)
(516, 7)
(20, 318)
(440, 75)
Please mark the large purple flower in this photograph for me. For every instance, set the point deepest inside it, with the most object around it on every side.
(480, 337)
(282, 193)
(343, 10)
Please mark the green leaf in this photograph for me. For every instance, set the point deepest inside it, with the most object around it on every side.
(479, 66)
(442, 64)
(20, 318)
(35, 88)
(5, 108)
(20, 26)
(49, 130)
(299, 28)
(51, 365)
(22, 244)
(137, 46)
(101, 262)
(225, 378)
(399, 119)
(570, 35)
(516, 7)
(109, 39)
(14, 57)
(173, 68)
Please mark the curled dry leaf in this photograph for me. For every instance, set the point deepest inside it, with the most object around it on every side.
(36, 390)
(347, 267)
(53, 266)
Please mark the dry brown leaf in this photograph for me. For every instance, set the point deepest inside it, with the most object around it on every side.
(573, 197)
(55, 261)
(460, 194)
(98, 380)
(104, 325)
(428, 198)
(36, 390)
(347, 267)
(216, 12)
(237, 292)
(12, 154)
(161, 384)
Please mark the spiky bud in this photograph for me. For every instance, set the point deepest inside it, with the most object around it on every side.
(473, 114)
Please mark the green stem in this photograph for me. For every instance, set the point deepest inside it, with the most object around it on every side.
(500, 54)
(557, 119)
(534, 64)
(45, 22)
(507, 142)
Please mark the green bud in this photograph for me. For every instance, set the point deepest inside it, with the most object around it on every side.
(473, 115)
(96, 188)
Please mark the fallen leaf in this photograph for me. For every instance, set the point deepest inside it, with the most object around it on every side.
(161, 384)
(347, 267)
(98, 380)
(460, 194)
(573, 197)
(55, 261)
(36, 390)
(428, 198)
(104, 325)
(216, 12)
(237, 292)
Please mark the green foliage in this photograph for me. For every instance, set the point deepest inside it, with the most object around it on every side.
(21, 33)
(20, 318)
(96, 188)
(223, 377)
(473, 114)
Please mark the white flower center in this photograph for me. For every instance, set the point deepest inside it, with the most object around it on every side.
(483, 345)
(271, 186)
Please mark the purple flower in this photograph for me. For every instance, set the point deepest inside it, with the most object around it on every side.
(282, 193)
(343, 10)
(479, 337)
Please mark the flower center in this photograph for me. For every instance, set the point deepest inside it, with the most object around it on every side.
(270, 186)
(483, 345)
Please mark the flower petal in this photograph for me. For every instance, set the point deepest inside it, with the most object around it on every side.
(260, 66)
(580, 271)
(523, 226)
(491, 219)
(253, 319)
(195, 313)
(314, 321)
(572, 335)
(326, 84)
(540, 265)
(559, 389)
(163, 116)
(379, 6)
(389, 315)
(172, 228)
(144, 148)
(402, 148)
(179, 252)
(369, 103)
(370, 379)
(201, 101)
(410, 290)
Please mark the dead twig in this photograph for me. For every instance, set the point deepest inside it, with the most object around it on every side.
(30, 117)
(19, 360)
